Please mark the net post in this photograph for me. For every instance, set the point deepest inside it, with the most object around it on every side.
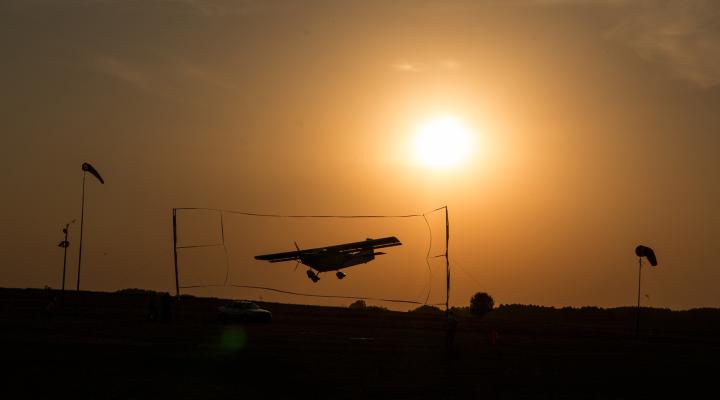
(177, 279)
(447, 261)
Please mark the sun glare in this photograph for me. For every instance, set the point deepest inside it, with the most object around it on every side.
(442, 142)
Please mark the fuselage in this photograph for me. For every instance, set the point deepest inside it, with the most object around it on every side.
(332, 261)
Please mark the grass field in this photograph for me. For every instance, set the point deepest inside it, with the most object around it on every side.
(101, 345)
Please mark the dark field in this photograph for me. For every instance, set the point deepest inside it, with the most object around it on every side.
(100, 345)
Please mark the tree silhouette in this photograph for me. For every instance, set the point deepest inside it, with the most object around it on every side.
(481, 303)
(360, 304)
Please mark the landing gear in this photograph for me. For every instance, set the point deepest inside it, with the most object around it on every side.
(339, 275)
(313, 276)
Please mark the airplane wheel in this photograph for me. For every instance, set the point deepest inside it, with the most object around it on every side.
(313, 276)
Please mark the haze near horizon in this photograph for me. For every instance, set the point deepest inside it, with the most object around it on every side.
(580, 130)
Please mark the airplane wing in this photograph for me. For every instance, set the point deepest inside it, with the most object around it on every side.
(341, 248)
(389, 241)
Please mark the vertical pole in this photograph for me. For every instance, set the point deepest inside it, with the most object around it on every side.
(177, 280)
(82, 214)
(637, 314)
(65, 256)
(447, 261)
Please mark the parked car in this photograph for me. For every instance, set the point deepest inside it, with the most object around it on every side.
(244, 311)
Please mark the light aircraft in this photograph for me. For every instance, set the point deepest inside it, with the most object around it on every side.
(333, 258)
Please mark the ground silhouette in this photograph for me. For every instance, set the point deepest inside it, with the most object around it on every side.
(101, 345)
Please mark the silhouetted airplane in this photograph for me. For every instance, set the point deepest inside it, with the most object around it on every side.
(333, 258)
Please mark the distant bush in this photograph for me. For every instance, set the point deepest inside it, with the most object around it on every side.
(427, 309)
(135, 291)
(587, 314)
(461, 311)
(358, 305)
(481, 303)
(361, 305)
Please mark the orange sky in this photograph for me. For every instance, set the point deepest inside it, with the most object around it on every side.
(596, 127)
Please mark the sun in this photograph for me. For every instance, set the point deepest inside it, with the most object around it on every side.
(442, 143)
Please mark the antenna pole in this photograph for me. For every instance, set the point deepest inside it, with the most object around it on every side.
(637, 314)
(82, 214)
(447, 261)
(177, 280)
(65, 256)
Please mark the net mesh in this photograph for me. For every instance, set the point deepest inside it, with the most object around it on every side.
(216, 248)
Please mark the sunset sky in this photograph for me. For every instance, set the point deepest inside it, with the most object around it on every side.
(588, 128)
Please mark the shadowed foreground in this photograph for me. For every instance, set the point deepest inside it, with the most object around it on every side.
(100, 345)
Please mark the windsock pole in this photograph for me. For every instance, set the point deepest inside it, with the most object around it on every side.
(82, 213)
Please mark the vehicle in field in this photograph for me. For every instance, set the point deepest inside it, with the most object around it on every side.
(243, 311)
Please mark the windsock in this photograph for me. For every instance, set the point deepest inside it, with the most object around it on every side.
(644, 251)
(89, 168)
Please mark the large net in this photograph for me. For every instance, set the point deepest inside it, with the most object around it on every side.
(215, 256)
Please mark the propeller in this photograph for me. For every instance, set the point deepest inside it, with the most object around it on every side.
(297, 264)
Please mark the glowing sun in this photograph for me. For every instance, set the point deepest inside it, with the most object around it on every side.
(442, 142)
